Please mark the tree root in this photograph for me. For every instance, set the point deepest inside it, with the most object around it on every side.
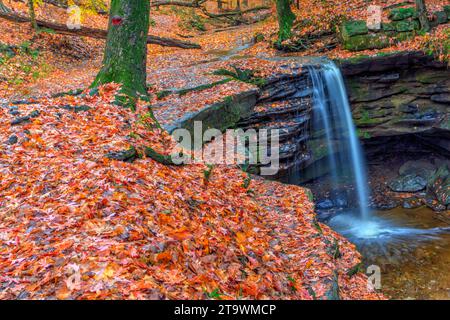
(132, 154)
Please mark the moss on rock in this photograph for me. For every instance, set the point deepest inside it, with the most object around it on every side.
(388, 26)
(441, 17)
(447, 11)
(406, 25)
(367, 41)
(402, 14)
(354, 28)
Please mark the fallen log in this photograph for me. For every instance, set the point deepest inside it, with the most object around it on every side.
(193, 4)
(233, 13)
(95, 33)
(99, 7)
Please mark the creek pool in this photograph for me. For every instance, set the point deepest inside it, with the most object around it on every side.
(411, 247)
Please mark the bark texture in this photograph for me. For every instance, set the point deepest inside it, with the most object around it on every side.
(422, 14)
(125, 55)
(285, 19)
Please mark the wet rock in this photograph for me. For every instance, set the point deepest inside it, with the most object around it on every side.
(20, 120)
(408, 183)
(420, 168)
(441, 98)
(34, 114)
(340, 199)
(385, 204)
(12, 140)
(325, 204)
(438, 189)
(14, 110)
(434, 205)
(411, 203)
(409, 108)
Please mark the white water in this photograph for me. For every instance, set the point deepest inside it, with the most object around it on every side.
(333, 115)
(332, 111)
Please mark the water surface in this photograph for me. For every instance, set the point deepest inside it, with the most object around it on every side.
(411, 246)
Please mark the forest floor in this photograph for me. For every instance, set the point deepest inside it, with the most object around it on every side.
(76, 225)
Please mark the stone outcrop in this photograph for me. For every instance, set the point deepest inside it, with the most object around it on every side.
(438, 189)
(403, 95)
(285, 103)
(356, 36)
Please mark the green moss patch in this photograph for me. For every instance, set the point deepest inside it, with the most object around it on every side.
(402, 14)
(354, 28)
(367, 41)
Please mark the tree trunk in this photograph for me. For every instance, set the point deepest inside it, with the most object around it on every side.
(125, 55)
(422, 13)
(285, 19)
(32, 14)
(219, 5)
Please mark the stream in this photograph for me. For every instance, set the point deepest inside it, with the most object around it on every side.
(412, 249)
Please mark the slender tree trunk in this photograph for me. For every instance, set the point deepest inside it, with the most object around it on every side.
(32, 13)
(125, 55)
(285, 19)
(422, 13)
(219, 5)
(245, 3)
(238, 5)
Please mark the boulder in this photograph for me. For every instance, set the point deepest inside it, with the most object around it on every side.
(438, 188)
(402, 14)
(367, 41)
(386, 26)
(440, 17)
(447, 11)
(441, 98)
(408, 183)
(420, 168)
(411, 203)
(12, 140)
(325, 204)
(354, 28)
(340, 199)
(406, 25)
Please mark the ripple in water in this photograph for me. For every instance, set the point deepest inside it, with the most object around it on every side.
(376, 229)
(412, 248)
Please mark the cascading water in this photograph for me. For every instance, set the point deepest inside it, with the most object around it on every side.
(392, 240)
(332, 115)
(334, 125)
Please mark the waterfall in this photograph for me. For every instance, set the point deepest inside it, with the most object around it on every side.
(332, 115)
